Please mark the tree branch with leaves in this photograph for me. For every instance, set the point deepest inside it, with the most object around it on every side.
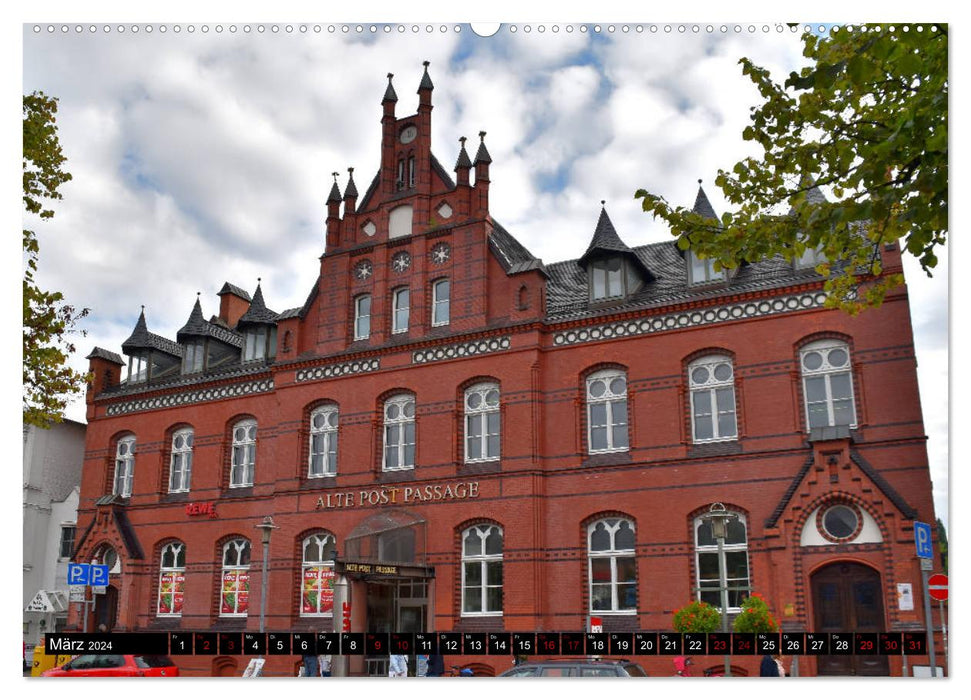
(48, 381)
(867, 120)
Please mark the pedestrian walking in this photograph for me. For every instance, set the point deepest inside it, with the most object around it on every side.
(772, 666)
(398, 666)
(421, 665)
(323, 661)
(310, 668)
(436, 666)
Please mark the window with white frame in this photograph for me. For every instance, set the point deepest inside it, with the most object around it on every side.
(244, 454)
(254, 343)
(317, 580)
(736, 563)
(193, 356)
(712, 382)
(607, 411)
(701, 270)
(171, 580)
(362, 317)
(482, 570)
(124, 466)
(400, 303)
(827, 384)
(607, 279)
(234, 592)
(440, 302)
(482, 423)
(613, 568)
(180, 465)
(138, 367)
(323, 441)
(106, 555)
(68, 533)
(399, 432)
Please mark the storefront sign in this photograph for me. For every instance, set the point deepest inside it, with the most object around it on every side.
(192, 509)
(389, 495)
(356, 568)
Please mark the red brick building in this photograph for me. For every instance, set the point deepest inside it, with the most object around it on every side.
(508, 445)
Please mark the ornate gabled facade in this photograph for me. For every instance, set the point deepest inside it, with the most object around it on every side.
(452, 435)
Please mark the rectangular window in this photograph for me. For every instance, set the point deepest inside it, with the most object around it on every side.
(400, 311)
(607, 279)
(67, 541)
(362, 317)
(411, 172)
(440, 303)
(194, 356)
(400, 183)
(255, 344)
(703, 270)
(138, 368)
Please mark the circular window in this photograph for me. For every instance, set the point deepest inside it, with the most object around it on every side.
(837, 357)
(597, 388)
(723, 372)
(812, 360)
(840, 523)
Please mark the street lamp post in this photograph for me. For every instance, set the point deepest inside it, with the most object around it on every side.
(719, 518)
(267, 527)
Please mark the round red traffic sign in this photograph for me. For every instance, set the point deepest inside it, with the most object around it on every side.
(937, 587)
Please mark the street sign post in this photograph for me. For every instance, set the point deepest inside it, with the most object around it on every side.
(78, 574)
(937, 586)
(925, 552)
(99, 574)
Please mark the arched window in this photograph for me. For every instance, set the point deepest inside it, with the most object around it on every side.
(317, 581)
(234, 593)
(712, 382)
(323, 441)
(400, 309)
(124, 466)
(440, 303)
(482, 423)
(399, 221)
(827, 384)
(362, 317)
(399, 432)
(180, 465)
(106, 555)
(482, 570)
(244, 454)
(736, 563)
(613, 571)
(607, 411)
(171, 580)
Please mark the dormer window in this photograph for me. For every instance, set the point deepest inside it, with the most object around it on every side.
(254, 344)
(811, 257)
(702, 270)
(606, 279)
(194, 356)
(138, 367)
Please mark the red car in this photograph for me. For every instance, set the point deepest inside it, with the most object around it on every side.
(103, 665)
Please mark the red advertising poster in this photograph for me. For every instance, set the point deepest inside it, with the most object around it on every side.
(166, 586)
(318, 590)
(242, 603)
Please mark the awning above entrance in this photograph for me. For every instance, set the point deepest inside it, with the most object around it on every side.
(376, 570)
(393, 537)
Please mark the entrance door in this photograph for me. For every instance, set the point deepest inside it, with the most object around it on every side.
(106, 609)
(849, 598)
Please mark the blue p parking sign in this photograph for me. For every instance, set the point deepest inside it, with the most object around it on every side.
(922, 539)
(99, 574)
(78, 574)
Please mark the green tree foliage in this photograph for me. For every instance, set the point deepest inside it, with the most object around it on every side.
(866, 121)
(696, 616)
(48, 321)
(942, 543)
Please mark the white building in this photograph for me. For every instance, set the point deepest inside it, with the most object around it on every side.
(52, 478)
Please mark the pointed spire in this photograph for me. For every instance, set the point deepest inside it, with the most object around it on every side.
(257, 312)
(482, 156)
(605, 238)
(351, 189)
(702, 205)
(139, 337)
(426, 81)
(196, 325)
(463, 160)
(335, 192)
(389, 94)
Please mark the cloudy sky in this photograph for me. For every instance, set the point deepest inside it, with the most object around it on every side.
(202, 154)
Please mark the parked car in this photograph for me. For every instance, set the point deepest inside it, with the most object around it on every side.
(576, 668)
(102, 665)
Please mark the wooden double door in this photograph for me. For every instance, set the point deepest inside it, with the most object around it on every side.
(848, 597)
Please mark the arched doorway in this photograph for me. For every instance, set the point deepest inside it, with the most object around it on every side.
(848, 597)
(106, 609)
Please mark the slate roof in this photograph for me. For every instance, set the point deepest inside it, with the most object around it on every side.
(335, 193)
(426, 81)
(568, 293)
(390, 94)
(703, 206)
(482, 155)
(257, 311)
(198, 326)
(105, 355)
(442, 173)
(373, 187)
(351, 189)
(511, 254)
(463, 160)
(233, 289)
(141, 339)
(605, 239)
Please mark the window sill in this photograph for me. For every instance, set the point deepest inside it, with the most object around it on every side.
(480, 615)
(614, 613)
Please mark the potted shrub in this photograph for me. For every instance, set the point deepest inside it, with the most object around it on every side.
(697, 616)
(755, 616)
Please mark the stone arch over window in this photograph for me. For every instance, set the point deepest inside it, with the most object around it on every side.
(712, 396)
(812, 529)
(320, 417)
(610, 572)
(232, 576)
(108, 554)
(110, 459)
(440, 304)
(461, 431)
(605, 418)
(124, 466)
(828, 381)
(178, 451)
